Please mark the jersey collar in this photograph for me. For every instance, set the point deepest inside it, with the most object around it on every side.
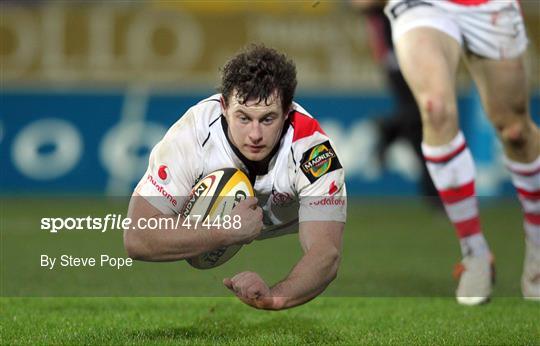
(254, 167)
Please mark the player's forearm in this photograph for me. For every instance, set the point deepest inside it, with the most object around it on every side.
(309, 278)
(172, 244)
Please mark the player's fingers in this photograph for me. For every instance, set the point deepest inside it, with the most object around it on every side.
(239, 277)
(237, 289)
(256, 214)
(252, 277)
(255, 286)
(254, 291)
(259, 212)
(228, 283)
(250, 283)
(238, 283)
(251, 202)
(244, 286)
(246, 204)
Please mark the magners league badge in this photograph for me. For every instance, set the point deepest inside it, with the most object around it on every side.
(319, 160)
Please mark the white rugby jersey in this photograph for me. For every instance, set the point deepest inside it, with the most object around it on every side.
(303, 180)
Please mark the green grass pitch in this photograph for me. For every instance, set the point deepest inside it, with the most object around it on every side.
(394, 286)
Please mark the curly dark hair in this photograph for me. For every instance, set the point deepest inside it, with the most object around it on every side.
(256, 72)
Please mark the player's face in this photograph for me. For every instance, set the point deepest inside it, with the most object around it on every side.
(254, 127)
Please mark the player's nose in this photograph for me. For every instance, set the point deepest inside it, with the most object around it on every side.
(255, 132)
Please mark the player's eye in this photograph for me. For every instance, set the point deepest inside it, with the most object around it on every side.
(268, 120)
(243, 119)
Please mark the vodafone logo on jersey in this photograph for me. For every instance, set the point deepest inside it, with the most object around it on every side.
(163, 174)
(329, 201)
(162, 190)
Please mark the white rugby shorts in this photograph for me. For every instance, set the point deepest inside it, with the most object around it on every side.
(493, 30)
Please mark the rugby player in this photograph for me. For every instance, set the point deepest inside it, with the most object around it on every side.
(430, 36)
(299, 183)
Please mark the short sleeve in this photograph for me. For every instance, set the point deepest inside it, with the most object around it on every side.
(320, 182)
(172, 167)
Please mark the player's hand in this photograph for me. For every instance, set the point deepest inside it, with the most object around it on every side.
(251, 289)
(250, 221)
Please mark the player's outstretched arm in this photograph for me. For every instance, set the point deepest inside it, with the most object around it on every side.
(321, 242)
(173, 241)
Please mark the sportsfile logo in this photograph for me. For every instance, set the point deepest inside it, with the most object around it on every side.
(162, 190)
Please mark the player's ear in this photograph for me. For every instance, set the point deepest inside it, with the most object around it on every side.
(288, 112)
(223, 104)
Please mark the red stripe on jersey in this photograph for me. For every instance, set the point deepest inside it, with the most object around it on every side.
(468, 227)
(457, 194)
(448, 157)
(304, 125)
(533, 218)
(469, 2)
(524, 173)
(533, 195)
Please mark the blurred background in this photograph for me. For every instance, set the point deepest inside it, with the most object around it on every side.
(88, 87)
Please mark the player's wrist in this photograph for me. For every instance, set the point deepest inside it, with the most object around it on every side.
(229, 237)
(276, 303)
(221, 237)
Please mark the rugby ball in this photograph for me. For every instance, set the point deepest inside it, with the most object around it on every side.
(210, 201)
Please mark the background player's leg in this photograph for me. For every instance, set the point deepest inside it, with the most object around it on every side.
(429, 59)
(503, 89)
(405, 121)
